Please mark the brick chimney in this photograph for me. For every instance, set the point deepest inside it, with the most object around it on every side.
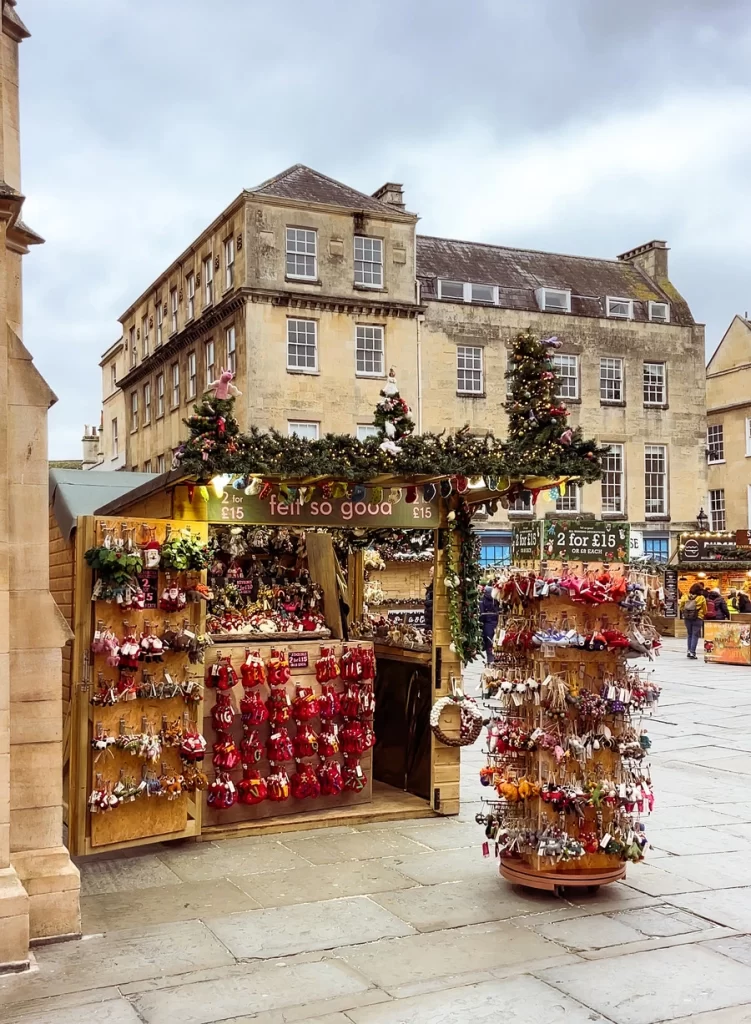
(392, 194)
(91, 455)
(652, 258)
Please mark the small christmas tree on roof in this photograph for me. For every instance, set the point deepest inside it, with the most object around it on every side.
(213, 428)
(393, 417)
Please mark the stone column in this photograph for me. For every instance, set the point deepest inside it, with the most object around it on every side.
(39, 886)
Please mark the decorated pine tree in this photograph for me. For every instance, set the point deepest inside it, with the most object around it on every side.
(393, 416)
(538, 428)
(535, 414)
(213, 437)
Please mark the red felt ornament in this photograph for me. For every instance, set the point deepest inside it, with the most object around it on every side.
(330, 778)
(252, 787)
(279, 746)
(304, 783)
(253, 710)
(305, 742)
(221, 793)
(277, 786)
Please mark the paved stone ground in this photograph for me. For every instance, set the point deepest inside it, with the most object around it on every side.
(406, 923)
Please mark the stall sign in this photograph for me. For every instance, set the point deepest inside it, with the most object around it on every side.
(717, 548)
(526, 542)
(591, 541)
(727, 643)
(743, 541)
(237, 507)
(298, 659)
(636, 544)
(410, 617)
(670, 590)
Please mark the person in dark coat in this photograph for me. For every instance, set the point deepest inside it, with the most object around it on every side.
(740, 601)
(489, 611)
(429, 602)
(720, 605)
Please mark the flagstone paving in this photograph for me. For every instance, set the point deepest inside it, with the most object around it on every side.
(407, 923)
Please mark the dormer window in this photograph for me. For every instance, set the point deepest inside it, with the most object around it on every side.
(554, 300)
(659, 312)
(622, 309)
(468, 291)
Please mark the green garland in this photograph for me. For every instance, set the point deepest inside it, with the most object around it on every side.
(539, 442)
(462, 582)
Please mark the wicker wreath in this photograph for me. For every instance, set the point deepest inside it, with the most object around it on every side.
(471, 721)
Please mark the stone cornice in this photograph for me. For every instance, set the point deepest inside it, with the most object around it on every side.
(12, 24)
(181, 340)
(333, 208)
(365, 306)
(360, 305)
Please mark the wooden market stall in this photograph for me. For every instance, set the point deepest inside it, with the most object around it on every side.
(719, 560)
(243, 571)
(409, 773)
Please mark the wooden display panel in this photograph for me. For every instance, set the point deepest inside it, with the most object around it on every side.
(145, 816)
(146, 819)
(299, 676)
(447, 670)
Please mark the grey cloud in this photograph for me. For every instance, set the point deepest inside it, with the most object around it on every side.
(140, 120)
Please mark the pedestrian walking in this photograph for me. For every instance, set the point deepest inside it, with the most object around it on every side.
(693, 608)
(489, 612)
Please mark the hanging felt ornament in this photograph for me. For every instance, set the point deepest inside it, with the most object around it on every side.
(429, 492)
(305, 742)
(204, 492)
(221, 793)
(251, 747)
(253, 710)
(330, 778)
(277, 786)
(191, 492)
(279, 746)
(265, 491)
(239, 483)
(328, 740)
(252, 787)
(359, 493)
(354, 777)
(376, 494)
(304, 784)
(446, 488)
(411, 495)
(327, 490)
(305, 704)
(554, 494)
(339, 490)
(461, 483)
(254, 486)
(395, 495)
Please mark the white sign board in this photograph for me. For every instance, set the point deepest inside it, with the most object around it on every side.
(637, 544)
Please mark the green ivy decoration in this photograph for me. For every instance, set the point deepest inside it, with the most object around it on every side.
(184, 552)
(462, 581)
(115, 566)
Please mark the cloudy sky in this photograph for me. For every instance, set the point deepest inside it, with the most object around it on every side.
(585, 127)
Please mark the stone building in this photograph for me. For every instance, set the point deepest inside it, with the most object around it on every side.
(39, 886)
(631, 366)
(310, 291)
(304, 287)
(729, 429)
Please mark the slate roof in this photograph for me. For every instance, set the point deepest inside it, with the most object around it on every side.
(80, 492)
(309, 186)
(518, 272)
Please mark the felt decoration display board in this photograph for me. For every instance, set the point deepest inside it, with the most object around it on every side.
(301, 675)
(133, 695)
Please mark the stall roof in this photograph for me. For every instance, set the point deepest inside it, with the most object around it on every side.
(76, 492)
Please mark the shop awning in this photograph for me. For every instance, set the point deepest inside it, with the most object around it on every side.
(77, 492)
